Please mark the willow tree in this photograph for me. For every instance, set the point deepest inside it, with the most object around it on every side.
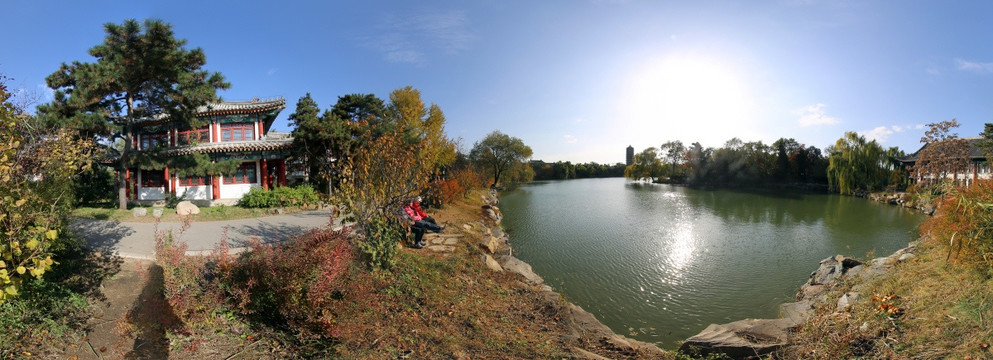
(856, 164)
(141, 71)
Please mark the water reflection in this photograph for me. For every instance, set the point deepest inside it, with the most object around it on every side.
(645, 256)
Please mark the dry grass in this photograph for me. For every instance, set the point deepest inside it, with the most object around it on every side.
(939, 311)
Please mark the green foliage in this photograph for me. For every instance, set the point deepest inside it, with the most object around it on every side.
(503, 156)
(141, 70)
(46, 309)
(36, 175)
(856, 164)
(646, 165)
(382, 242)
(281, 196)
(95, 186)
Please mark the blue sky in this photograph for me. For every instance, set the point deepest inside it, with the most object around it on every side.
(577, 80)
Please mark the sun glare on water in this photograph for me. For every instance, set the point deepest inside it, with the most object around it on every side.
(692, 98)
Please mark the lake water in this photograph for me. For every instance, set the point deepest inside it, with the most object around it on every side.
(659, 263)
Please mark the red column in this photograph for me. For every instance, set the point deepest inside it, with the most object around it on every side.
(281, 165)
(258, 126)
(165, 174)
(127, 183)
(215, 182)
(217, 132)
(265, 174)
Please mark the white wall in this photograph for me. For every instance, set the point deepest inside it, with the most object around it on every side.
(151, 193)
(194, 192)
(235, 191)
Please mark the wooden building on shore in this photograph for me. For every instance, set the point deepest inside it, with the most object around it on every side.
(236, 130)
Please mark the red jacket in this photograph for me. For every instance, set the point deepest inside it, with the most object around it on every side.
(412, 212)
(420, 212)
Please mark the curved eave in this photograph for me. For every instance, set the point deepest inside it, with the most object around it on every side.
(241, 146)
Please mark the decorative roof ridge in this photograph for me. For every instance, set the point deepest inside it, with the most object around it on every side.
(256, 105)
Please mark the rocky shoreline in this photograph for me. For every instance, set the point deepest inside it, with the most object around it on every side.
(753, 338)
(743, 339)
(897, 199)
(498, 256)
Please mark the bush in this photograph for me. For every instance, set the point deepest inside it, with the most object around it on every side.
(301, 284)
(281, 196)
(441, 192)
(963, 221)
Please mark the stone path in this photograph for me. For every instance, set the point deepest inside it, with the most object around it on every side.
(137, 240)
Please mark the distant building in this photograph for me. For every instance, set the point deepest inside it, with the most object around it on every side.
(978, 167)
(630, 155)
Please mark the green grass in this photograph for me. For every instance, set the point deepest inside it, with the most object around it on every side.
(214, 213)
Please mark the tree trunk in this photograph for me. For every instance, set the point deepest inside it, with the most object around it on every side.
(122, 191)
(122, 197)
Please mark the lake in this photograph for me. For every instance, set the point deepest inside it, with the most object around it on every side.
(659, 263)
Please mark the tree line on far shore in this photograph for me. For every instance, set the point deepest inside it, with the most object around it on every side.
(786, 161)
(853, 164)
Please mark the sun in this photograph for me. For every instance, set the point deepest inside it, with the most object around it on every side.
(689, 97)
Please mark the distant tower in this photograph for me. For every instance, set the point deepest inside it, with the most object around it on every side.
(630, 157)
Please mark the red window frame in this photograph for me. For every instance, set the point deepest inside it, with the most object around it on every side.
(149, 141)
(245, 174)
(201, 135)
(152, 178)
(194, 181)
(237, 132)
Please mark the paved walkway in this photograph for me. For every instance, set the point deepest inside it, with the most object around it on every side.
(137, 240)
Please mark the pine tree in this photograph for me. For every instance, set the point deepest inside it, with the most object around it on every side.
(141, 71)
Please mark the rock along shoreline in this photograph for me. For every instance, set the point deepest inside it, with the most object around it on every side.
(753, 338)
(498, 256)
(742, 339)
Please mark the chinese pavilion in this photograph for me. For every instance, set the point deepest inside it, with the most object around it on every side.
(237, 130)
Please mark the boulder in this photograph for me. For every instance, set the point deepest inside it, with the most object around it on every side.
(492, 263)
(513, 264)
(906, 257)
(157, 213)
(832, 268)
(796, 312)
(847, 300)
(139, 212)
(497, 232)
(749, 338)
(186, 208)
(489, 243)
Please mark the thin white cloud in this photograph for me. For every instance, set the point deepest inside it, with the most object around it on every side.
(409, 38)
(933, 71)
(978, 67)
(271, 72)
(569, 139)
(919, 126)
(880, 133)
(814, 115)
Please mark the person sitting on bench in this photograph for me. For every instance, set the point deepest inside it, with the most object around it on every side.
(419, 222)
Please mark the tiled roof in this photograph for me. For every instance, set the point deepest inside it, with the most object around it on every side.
(254, 106)
(267, 143)
(975, 152)
(241, 107)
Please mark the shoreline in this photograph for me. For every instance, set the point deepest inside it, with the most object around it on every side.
(744, 338)
(498, 256)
